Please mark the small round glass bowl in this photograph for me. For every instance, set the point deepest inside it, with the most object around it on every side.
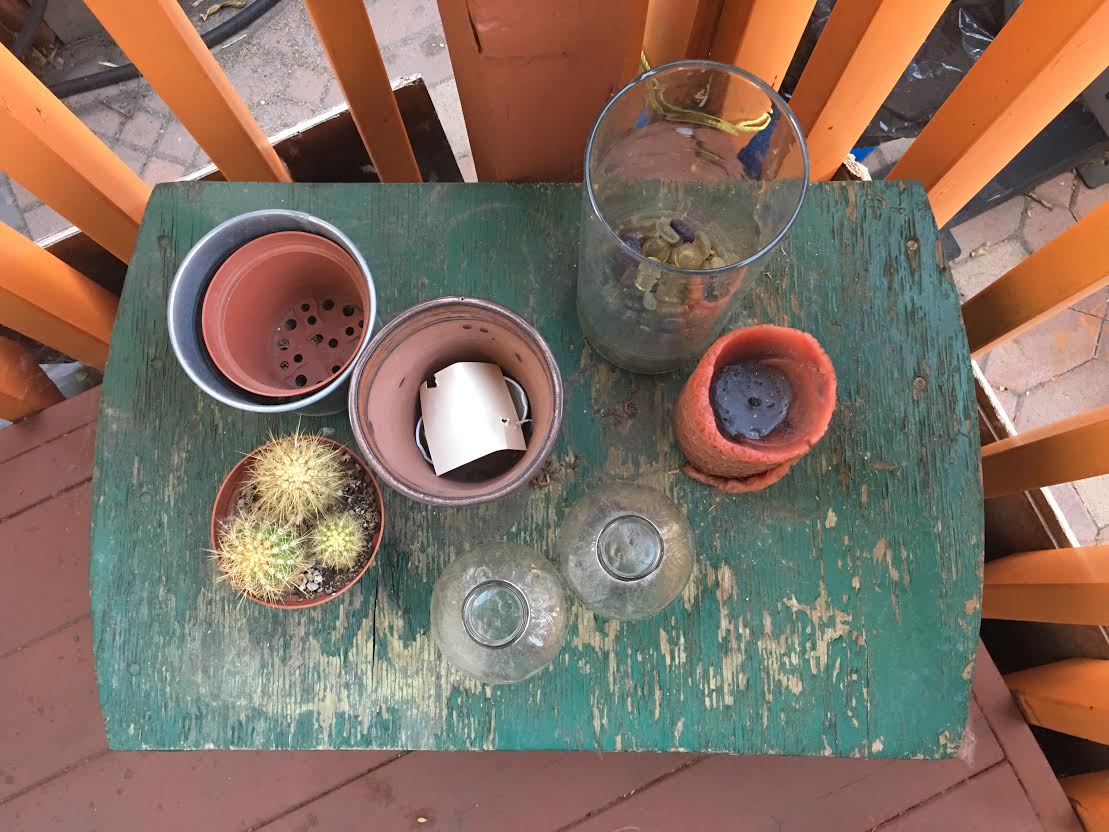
(626, 550)
(498, 613)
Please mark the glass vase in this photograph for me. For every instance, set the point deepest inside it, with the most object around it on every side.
(693, 172)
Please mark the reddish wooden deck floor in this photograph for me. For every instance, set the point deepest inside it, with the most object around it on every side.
(57, 773)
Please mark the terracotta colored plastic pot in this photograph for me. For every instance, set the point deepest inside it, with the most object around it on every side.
(384, 393)
(228, 496)
(744, 465)
(284, 315)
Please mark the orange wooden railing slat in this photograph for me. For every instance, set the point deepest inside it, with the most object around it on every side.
(43, 298)
(1041, 60)
(678, 29)
(161, 41)
(533, 75)
(1061, 586)
(1070, 449)
(760, 36)
(348, 39)
(1073, 265)
(50, 152)
(24, 387)
(1070, 696)
(1089, 794)
(860, 55)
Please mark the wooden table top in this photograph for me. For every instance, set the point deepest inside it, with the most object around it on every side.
(835, 613)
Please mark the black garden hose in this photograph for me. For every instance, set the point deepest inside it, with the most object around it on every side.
(213, 37)
(26, 36)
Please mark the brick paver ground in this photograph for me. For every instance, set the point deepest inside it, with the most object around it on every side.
(1059, 368)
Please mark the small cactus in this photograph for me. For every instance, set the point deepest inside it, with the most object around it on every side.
(337, 541)
(296, 478)
(261, 557)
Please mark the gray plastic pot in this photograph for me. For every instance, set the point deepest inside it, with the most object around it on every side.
(186, 297)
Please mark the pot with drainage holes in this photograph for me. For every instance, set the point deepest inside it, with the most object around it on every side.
(269, 311)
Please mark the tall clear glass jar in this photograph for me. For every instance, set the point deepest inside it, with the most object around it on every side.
(694, 171)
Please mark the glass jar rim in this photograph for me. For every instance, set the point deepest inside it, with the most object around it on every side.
(511, 591)
(775, 98)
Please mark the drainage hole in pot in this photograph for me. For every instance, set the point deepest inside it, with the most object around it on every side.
(348, 310)
(350, 330)
(360, 323)
(290, 324)
(298, 358)
(304, 307)
(283, 344)
(311, 320)
(301, 380)
(284, 365)
(483, 329)
(466, 326)
(334, 368)
(328, 305)
(317, 338)
(333, 342)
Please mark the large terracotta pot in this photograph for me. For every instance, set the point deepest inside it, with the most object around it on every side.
(750, 465)
(384, 393)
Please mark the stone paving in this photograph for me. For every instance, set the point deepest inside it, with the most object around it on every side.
(1055, 370)
(277, 66)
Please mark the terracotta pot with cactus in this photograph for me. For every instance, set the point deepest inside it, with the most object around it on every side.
(297, 522)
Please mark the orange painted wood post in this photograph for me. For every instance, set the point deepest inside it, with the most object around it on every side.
(1089, 794)
(24, 387)
(52, 154)
(533, 76)
(760, 36)
(43, 298)
(679, 29)
(862, 52)
(1071, 696)
(1060, 586)
(1041, 60)
(160, 40)
(1073, 265)
(1070, 449)
(348, 39)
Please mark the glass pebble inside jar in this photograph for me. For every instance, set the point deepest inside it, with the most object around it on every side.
(498, 613)
(693, 172)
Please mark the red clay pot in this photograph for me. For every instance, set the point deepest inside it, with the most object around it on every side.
(384, 393)
(285, 314)
(748, 464)
(228, 495)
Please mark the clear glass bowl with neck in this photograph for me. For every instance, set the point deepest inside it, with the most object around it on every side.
(694, 171)
(625, 550)
(498, 613)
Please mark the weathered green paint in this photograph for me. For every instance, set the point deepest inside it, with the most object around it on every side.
(835, 613)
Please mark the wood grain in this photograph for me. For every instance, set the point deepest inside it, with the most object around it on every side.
(835, 613)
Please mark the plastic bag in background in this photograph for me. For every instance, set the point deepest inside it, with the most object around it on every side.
(962, 33)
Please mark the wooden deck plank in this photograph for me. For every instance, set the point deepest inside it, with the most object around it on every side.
(47, 470)
(493, 792)
(193, 792)
(787, 793)
(51, 715)
(48, 546)
(27, 434)
(990, 802)
(1020, 747)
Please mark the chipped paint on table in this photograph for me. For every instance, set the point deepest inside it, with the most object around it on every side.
(835, 613)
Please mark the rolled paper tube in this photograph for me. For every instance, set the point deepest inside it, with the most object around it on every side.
(743, 465)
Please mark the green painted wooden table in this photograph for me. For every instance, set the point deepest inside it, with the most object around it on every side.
(835, 613)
